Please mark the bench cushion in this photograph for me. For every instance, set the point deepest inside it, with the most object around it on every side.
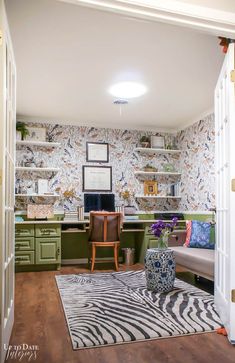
(200, 260)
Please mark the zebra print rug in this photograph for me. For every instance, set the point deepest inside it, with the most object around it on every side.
(112, 308)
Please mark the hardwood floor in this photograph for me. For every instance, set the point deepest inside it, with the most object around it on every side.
(39, 320)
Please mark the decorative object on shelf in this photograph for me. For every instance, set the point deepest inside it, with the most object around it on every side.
(150, 187)
(80, 213)
(70, 216)
(171, 145)
(157, 142)
(176, 189)
(119, 209)
(127, 195)
(129, 210)
(170, 190)
(97, 178)
(162, 231)
(31, 187)
(42, 186)
(36, 133)
(97, 152)
(149, 168)
(18, 136)
(160, 269)
(40, 211)
(144, 141)
(169, 168)
(23, 129)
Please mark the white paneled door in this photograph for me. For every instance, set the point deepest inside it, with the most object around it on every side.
(7, 165)
(225, 194)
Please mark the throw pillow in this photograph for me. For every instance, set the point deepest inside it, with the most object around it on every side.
(200, 235)
(188, 233)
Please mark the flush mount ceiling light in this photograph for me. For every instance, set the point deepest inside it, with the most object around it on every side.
(126, 90)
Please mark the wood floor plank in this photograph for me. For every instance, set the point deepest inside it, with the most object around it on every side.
(39, 320)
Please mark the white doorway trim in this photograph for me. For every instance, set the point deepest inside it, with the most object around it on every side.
(212, 21)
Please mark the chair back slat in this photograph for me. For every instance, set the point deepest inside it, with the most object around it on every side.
(105, 228)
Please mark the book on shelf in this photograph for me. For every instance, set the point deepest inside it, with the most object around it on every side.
(70, 216)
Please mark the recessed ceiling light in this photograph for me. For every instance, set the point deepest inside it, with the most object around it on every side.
(127, 90)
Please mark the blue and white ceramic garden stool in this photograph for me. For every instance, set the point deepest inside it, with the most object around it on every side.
(160, 269)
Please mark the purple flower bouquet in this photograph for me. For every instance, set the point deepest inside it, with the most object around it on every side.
(162, 230)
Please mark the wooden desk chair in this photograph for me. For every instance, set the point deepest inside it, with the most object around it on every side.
(105, 228)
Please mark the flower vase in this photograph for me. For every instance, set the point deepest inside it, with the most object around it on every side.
(163, 241)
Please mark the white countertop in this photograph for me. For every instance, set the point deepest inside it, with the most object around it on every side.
(86, 221)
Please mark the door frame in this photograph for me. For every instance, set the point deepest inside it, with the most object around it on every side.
(7, 173)
(209, 20)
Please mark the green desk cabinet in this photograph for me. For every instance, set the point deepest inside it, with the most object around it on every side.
(37, 245)
(48, 251)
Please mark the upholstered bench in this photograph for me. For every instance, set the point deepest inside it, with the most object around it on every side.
(199, 261)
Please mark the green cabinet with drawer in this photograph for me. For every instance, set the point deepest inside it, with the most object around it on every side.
(48, 250)
(24, 244)
(24, 231)
(51, 230)
(24, 258)
(37, 244)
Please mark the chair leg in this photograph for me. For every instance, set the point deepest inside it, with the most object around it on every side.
(89, 255)
(93, 257)
(116, 248)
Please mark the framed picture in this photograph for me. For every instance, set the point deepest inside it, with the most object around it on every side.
(36, 134)
(97, 152)
(42, 186)
(150, 187)
(157, 142)
(97, 178)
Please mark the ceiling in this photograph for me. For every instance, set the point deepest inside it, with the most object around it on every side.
(224, 5)
(68, 56)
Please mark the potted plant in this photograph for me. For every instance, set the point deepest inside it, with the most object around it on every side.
(22, 128)
(128, 209)
(149, 167)
(162, 231)
(145, 141)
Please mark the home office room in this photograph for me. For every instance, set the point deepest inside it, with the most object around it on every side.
(117, 208)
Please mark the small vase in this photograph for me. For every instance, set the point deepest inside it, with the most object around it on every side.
(129, 210)
(163, 241)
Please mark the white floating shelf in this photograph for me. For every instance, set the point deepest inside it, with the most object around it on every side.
(37, 195)
(27, 168)
(37, 143)
(157, 196)
(157, 173)
(148, 150)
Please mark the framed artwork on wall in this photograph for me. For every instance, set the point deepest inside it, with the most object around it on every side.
(97, 178)
(150, 187)
(157, 142)
(97, 152)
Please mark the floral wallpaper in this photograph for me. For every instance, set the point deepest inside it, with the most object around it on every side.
(197, 143)
(195, 163)
(71, 156)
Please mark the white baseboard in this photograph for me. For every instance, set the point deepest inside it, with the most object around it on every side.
(81, 261)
